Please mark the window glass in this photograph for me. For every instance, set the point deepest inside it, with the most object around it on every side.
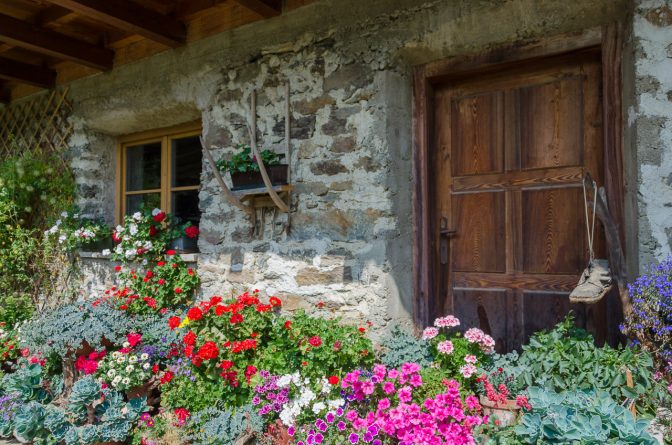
(185, 206)
(143, 167)
(134, 203)
(186, 161)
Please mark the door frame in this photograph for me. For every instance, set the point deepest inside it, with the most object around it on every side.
(608, 40)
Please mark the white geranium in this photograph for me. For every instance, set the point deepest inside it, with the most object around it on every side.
(144, 356)
(137, 216)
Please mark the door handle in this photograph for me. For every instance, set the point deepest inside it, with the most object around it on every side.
(445, 234)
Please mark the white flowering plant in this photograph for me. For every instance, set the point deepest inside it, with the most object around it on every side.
(143, 234)
(71, 231)
(295, 399)
(459, 354)
(125, 369)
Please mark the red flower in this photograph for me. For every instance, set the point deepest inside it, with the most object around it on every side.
(315, 341)
(174, 322)
(191, 231)
(249, 372)
(194, 313)
(215, 300)
(170, 252)
(264, 307)
(117, 268)
(123, 307)
(190, 271)
(134, 339)
(288, 324)
(152, 231)
(178, 290)
(155, 368)
(150, 302)
(161, 263)
(159, 217)
(162, 281)
(275, 301)
(116, 237)
(196, 361)
(236, 318)
(219, 309)
(190, 338)
(333, 380)
(362, 330)
(226, 364)
(166, 378)
(182, 415)
(208, 351)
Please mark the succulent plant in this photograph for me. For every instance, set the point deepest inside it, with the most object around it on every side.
(401, 347)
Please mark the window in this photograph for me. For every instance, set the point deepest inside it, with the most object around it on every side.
(161, 169)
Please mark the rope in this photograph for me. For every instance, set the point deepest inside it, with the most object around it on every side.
(590, 225)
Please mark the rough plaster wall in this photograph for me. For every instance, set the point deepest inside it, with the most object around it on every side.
(650, 120)
(349, 66)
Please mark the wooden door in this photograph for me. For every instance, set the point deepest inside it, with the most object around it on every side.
(510, 149)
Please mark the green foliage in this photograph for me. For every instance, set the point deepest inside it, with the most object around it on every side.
(433, 379)
(213, 426)
(243, 161)
(29, 424)
(93, 415)
(193, 395)
(567, 357)
(29, 384)
(580, 417)
(400, 347)
(144, 235)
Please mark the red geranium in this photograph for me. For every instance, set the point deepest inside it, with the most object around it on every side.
(275, 301)
(159, 216)
(117, 268)
(170, 252)
(190, 338)
(134, 339)
(226, 364)
(208, 351)
(166, 378)
(315, 341)
(250, 371)
(288, 324)
(195, 314)
(236, 318)
(191, 231)
(333, 380)
(174, 322)
(152, 231)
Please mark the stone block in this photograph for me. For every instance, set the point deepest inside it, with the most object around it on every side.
(310, 276)
(329, 168)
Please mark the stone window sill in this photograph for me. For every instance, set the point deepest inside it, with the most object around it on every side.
(186, 257)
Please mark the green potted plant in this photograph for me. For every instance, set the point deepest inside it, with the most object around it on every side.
(244, 168)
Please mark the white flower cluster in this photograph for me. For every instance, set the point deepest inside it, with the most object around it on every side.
(305, 398)
(67, 235)
(124, 371)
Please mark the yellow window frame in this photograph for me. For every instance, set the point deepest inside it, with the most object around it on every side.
(165, 136)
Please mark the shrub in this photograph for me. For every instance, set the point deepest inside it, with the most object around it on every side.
(401, 347)
(650, 322)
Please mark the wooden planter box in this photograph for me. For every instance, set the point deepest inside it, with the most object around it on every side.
(250, 180)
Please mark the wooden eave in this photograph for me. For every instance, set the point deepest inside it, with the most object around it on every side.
(44, 43)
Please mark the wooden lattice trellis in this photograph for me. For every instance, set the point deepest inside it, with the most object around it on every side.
(37, 124)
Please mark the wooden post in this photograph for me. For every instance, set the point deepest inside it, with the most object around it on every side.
(630, 384)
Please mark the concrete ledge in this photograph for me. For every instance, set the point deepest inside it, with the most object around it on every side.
(186, 257)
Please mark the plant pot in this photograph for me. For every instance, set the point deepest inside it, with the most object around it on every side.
(507, 413)
(249, 180)
(184, 244)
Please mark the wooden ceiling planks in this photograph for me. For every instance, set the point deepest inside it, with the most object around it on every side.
(114, 35)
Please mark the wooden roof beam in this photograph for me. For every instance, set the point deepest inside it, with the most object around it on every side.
(130, 17)
(45, 41)
(26, 73)
(264, 8)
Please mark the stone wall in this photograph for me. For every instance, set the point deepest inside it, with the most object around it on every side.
(349, 65)
(650, 126)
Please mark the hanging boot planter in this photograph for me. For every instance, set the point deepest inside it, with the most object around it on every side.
(595, 281)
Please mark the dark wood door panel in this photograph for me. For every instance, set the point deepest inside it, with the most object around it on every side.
(553, 228)
(480, 244)
(551, 124)
(477, 134)
(514, 280)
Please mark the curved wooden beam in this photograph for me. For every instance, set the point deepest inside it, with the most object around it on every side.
(262, 169)
(225, 189)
